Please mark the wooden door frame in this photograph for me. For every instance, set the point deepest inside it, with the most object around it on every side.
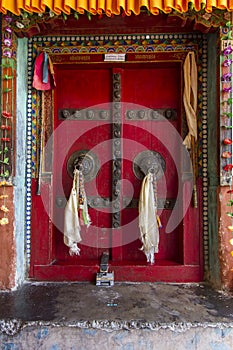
(43, 246)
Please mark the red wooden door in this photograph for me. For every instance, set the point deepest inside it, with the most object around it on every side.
(146, 86)
(122, 118)
(87, 91)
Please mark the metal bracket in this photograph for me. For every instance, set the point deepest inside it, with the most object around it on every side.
(96, 202)
(151, 114)
(104, 278)
(84, 114)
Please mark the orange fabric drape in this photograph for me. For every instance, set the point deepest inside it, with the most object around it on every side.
(111, 6)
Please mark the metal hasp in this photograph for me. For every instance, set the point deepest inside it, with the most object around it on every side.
(104, 278)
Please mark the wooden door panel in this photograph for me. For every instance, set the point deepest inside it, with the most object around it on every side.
(83, 89)
(156, 86)
(143, 89)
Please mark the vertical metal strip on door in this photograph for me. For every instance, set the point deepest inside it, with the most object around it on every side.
(116, 149)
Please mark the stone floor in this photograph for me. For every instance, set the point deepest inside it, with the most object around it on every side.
(44, 314)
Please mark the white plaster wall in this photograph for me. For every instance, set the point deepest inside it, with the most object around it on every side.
(20, 161)
(70, 338)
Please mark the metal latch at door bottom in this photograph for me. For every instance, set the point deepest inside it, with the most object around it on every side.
(104, 278)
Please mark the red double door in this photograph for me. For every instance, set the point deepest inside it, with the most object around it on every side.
(120, 121)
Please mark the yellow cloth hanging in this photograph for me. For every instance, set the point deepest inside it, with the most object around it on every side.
(190, 97)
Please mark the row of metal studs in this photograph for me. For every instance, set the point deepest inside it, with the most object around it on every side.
(205, 155)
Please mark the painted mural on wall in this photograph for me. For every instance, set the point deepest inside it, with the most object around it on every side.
(7, 119)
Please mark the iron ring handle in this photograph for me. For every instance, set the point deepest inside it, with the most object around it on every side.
(78, 163)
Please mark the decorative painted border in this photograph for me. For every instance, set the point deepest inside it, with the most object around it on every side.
(142, 43)
(29, 149)
(203, 135)
(226, 113)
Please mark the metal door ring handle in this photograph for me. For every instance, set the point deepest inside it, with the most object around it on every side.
(86, 161)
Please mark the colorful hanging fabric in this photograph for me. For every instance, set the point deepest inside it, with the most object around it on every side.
(43, 78)
(190, 105)
(148, 218)
(76, 214)
(190, 97)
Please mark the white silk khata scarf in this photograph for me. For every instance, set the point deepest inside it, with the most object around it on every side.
(148, 224)
(76, 213)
